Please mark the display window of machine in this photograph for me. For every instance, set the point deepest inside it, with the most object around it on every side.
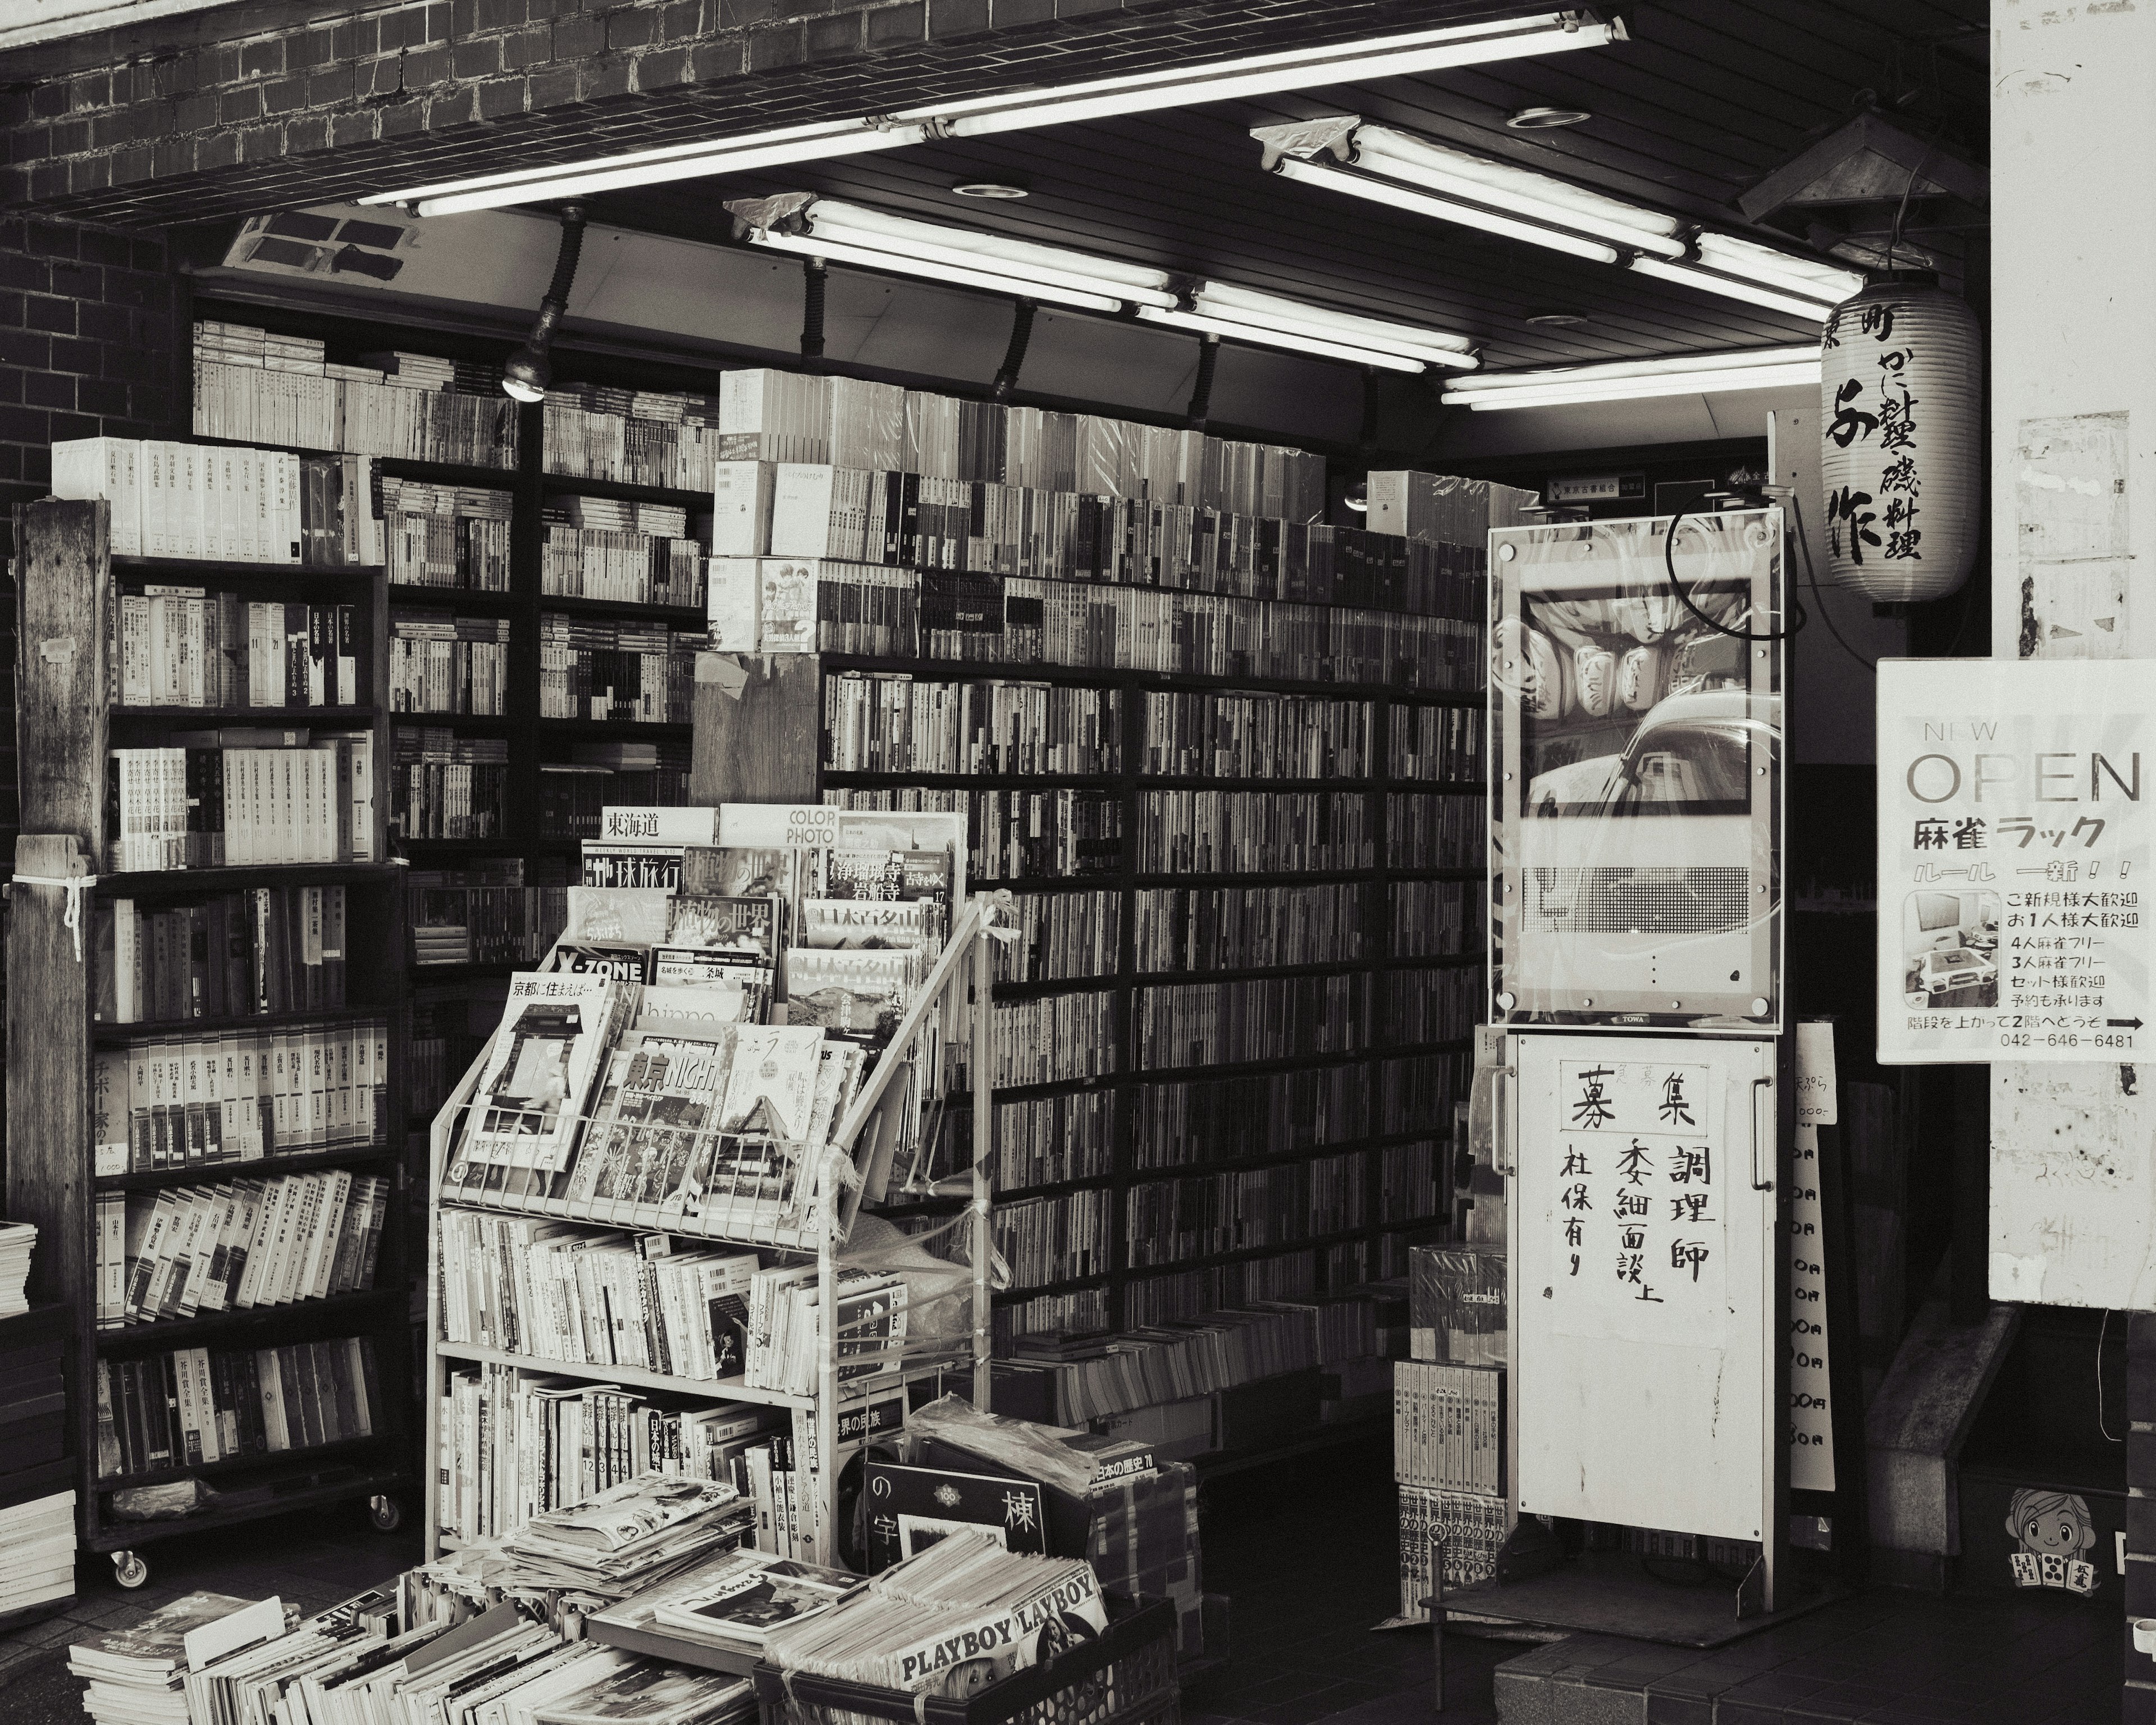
(1635, 725)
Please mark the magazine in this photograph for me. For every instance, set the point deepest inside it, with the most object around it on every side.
(745, 1594)
(538, 1076)
(773, 1084)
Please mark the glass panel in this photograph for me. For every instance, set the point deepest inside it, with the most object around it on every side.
(1636, 786)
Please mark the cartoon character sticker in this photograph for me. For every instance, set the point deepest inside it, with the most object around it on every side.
(2053, 1530)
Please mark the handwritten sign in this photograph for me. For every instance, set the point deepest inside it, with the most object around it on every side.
(2013, 852)
(1639, 1238)
(1811, 1430)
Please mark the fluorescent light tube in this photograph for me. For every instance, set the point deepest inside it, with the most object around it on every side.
(1539, 197)
(860, 227)
(1142, 92)
(1263, 74)
(1629, 380)
(1808, 278)
(975, 275)
(1246, 306)
(1709, 281)
(1422, 204)
(1265, 337)
(651, 167)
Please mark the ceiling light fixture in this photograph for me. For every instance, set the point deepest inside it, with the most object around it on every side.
(995, 190)
(1556, 319)
(526, 372)
(1631, 380)
(1550, 32)
(1415, 174)
(1546, 119)
(810, 226)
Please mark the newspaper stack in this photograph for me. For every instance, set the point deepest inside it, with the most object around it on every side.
(950, 1621)
(15, 1240)
(135, 1674)
(624, 1540)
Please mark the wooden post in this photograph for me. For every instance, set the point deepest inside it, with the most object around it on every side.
(758, 728)
(48, 1055)
(63, 585)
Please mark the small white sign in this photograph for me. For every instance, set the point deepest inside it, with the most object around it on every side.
(1816, 1089)
(763, 824)
(2013, 857)
(659, 826)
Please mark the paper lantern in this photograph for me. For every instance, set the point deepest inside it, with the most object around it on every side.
(1901, 409)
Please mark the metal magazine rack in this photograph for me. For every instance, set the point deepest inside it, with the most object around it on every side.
(771, 1195)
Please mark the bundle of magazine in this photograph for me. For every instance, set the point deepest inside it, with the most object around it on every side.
(624, 1539)
(404, 1652)
(962, 1615)
(721, 1612)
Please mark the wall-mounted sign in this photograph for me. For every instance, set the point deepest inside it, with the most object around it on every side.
(2013, 858)
(1598, 488)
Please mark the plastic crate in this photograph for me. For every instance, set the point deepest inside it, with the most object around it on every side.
(1124, 1677)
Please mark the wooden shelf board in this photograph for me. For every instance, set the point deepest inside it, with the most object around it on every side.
(276, 718)
(197, 570)
(299, 1161)
(119, 1035)
(305, 1493)
(322, 1318)
(141, 882)
(580, 605)
(340, 1451)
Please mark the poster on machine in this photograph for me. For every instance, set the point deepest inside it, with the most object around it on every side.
(2013, 858)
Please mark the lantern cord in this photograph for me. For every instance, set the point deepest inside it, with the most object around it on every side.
(1819, 599)
(1676, 587)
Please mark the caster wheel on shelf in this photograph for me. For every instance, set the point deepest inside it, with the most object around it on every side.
(129, 1569)
(386, 1513)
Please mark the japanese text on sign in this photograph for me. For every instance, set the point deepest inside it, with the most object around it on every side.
(1638, 1219)
(2014, 853)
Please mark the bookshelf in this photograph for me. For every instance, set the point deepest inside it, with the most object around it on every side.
(86, 1029)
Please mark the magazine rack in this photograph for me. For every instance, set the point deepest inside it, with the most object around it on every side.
(811, 1216)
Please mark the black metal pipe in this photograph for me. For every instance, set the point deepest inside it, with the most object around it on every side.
(1021, 334)
(1201, 393)
(814, 277)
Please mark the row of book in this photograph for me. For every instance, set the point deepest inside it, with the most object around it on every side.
(1449, 1426)
(515, 1445)
(367, 411)
(625, 565)
(1087, 1377)
(1199, 928)
(1045, 1240)
(1061, 937)
(269, 949)
(237, 1096)
(1473, 1526)
(484, 913)
(1176, 1221)
(445, 1028)
(901, 724)
(195, 1405)
(1267, 1018)
(1016, 835)
(1425, 1006)
(226, 802)
(1194, 1120)
(238, 1246)
(664, 438)
(1435, 919)
(202, 647)
(209, 504)
(1449, 830)
(624, 672)
(444, 664)
(1253, 832)
(1047, 1040)
(766, 514)
(1076, 1312)
(1155, 1297)
(1437, 744)
(445, 786)
(1207, 734)
(1043, 1141)
(1411, 1181)
(446, 536)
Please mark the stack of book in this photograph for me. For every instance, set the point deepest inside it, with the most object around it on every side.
(628, 672)
(492, 911)
(1084, 1377)
(440, 663)
(722, 1612)
(39, 1538)
(445, 786)
(17, 1240)
(625, 1539)
(270, 949)
(136, 1675)
(242, 798)
(446, 536)
(195, 646)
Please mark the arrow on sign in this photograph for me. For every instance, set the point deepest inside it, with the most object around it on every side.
(2124, 1023)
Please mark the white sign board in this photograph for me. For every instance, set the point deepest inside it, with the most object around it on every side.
(1643, 1280)
(2013, 856)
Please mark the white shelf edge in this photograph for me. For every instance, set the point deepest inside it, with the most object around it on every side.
(730, 1389)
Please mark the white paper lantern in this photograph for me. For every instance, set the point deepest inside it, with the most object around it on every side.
(1901, 412)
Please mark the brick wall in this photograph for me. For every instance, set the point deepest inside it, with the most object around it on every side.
(89, 346)
(135, 127)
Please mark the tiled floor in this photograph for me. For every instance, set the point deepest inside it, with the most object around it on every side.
(1306, 1553)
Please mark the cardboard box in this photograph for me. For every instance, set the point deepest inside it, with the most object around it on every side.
(1355, 1390)
(1457, 1304)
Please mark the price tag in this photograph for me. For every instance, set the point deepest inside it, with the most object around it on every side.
(1816, 1091)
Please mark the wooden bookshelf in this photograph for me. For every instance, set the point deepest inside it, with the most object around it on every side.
(66, 720)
